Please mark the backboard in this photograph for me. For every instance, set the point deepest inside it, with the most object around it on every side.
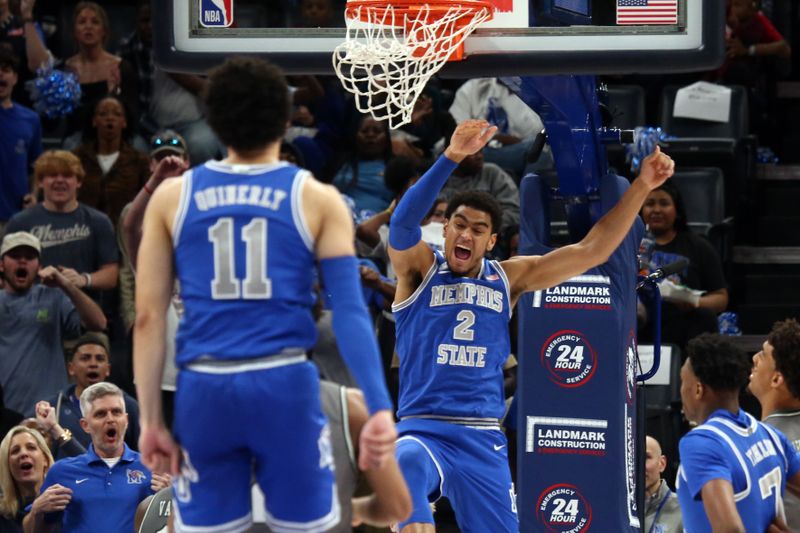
(526, 37)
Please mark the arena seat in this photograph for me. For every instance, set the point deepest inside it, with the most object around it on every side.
(727, 146)
(736, 128)
(703, 192)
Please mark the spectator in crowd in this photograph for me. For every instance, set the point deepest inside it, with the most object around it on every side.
(168, 158)
(89, 364)
(474, 174)
(516, 122)
(36, 319)
(317, 14)
(99, 71)
(76, 239)
(99, 490)
(168, 100)
(665, 216)
(20, 141)
(22, 34)
(662, 512)
(718, 488)
(361, 175)
(751, 37)
(114, 170)
(24, 461)
(775, 381)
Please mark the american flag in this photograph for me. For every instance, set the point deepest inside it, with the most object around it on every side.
(647, 11)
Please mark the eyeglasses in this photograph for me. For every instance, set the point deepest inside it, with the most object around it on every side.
(158, 142)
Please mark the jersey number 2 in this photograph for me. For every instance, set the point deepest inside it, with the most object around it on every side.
(463, 331)
(225, 285)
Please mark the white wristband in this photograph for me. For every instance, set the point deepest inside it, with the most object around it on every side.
(751, 50)
(88, 279)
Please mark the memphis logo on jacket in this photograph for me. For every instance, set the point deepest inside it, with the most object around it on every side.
(216, 13)
(135, 477)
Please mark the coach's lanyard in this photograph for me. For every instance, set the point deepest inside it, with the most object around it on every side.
(658, 510)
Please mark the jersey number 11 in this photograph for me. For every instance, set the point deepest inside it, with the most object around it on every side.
(225, 285)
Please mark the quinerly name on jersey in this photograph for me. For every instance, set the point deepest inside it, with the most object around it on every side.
(226, 195)
(467, 293)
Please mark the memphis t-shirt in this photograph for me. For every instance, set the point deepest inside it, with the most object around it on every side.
(82, 239)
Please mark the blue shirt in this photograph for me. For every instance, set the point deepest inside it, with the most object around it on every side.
(368, 189)
(244, 258)
(755, 458)
(103, 498)
(34, 325)
(20, 145)
(452, 342)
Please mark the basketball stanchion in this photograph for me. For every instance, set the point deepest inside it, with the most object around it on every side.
(393, 48)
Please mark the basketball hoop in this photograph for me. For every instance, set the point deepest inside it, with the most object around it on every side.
(393, 47)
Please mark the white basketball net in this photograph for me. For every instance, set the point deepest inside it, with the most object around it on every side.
(388, 57)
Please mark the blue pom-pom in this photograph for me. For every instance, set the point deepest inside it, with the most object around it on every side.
(55, 93)
(644, 143)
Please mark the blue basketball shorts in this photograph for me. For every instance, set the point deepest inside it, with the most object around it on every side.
(467, 465)
(265, 424)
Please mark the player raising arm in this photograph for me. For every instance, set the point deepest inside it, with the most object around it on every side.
(452, 313)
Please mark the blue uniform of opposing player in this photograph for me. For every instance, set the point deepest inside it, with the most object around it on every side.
(244, 235)
(452, 313)
(734, 469)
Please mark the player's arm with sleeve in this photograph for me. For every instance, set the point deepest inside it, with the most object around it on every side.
(410, 256)
(709, 479)
(159, 451)
(530, 273)
(331, 225)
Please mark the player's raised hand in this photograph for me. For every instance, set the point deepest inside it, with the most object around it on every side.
(468, 138)
(377, 440)
(158, 449)
(657, 168)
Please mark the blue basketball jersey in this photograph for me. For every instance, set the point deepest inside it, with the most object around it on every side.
(754, 457)
(452, 341)
(244, 259)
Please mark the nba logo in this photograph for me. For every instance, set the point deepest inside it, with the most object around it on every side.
(216, 13)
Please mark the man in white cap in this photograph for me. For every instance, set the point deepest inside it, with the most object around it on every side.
(35, 319)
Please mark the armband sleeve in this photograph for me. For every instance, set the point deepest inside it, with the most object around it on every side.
(404, 226)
